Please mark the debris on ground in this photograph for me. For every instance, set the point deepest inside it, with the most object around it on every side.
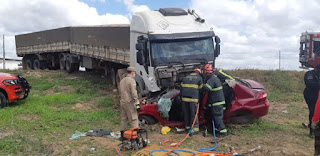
(77, 135)
(179, 130)
(255, 149)
(285, 112)
(115, 135)
(165, 130)
(99, 132)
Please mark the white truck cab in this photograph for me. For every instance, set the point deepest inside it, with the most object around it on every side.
(167, 44)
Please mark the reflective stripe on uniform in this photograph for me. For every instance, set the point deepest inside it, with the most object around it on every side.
(226, 75)
(195, 86)
(217, 103)
(213, 89)
(189, 86)
(201, 86)
(224, 131)
(184, 99)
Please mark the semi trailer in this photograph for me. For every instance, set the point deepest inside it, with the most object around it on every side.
(163, 45)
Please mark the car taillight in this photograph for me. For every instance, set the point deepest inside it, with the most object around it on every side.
(263, 95)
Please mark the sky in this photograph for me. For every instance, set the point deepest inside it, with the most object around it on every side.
(252, 32)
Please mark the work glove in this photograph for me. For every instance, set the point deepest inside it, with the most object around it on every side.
(137, 105)
(314, 125)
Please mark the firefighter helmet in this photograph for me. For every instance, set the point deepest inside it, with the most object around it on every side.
(208, 68)
(197, 70)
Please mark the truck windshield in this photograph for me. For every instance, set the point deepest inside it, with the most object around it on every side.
(182, 51)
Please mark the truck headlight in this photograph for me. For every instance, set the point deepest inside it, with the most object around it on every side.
(10, 82)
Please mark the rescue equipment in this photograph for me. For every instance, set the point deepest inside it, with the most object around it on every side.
(133, 139)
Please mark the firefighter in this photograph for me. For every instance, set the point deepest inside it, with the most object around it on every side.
(216, 100)
(227, 90)
(315, 127)
(190, 92)
(312, 82)
(129, 104)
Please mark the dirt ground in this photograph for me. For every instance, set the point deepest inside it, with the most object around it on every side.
(278, 133)
(291, 140)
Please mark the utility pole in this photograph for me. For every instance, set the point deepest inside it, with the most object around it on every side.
(279, 59)
(4, 54)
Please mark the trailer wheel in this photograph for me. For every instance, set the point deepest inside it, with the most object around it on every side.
(113, 76)
(36, 64)
(70, 67)
(3, 100)
(62, 63)
(29, 65)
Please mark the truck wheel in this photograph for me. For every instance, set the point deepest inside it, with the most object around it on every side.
(29, 64)
(62, 63)
(113, 76)
(36, 64)
(3, 100)
(146, 120)
(70, 67)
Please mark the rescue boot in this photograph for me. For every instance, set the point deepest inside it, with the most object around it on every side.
(222, 133)
(195, 131)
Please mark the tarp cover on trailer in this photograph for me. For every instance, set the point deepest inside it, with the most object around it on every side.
(115, 36)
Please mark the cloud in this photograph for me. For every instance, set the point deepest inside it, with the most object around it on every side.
(21, 16)
(132, 8)
(253, 32)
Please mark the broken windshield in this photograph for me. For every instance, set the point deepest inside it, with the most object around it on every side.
(185, 51)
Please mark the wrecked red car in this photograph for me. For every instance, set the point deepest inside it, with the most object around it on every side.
(13, 88)
(248, 101)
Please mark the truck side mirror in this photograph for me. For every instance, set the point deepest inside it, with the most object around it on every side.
(139, 46)
(140, 57)
(217, 49)
(217, 39)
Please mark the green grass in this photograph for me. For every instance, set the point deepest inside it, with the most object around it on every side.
(49, 111)
(256, 128)
(50, 116)
(281, 86)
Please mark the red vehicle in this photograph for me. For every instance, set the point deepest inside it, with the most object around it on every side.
(249, 101)
(13, 88)
(309, 55)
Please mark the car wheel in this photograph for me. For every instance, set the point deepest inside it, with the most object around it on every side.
(146, 120)
(242, 117)
(3, 100)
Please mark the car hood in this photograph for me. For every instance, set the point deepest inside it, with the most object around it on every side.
(254, 84)
(4, 76)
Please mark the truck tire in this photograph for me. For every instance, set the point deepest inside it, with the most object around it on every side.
(36, 64)
(29, 64)
(62, 63)
(70, 67)
(3, 100)
(113, 77)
